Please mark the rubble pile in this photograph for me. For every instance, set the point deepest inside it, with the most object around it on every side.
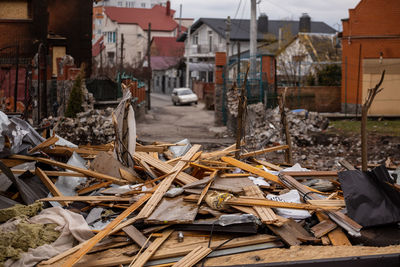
(174, 204)
(93, 126)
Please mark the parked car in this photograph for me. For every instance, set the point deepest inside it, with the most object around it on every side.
(183, 96)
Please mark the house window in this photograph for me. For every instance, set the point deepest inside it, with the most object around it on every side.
(98, 31)
(120, 4)
(196, 39)
(15, 9)
(143, 5)
(111, 36)
(139, 55)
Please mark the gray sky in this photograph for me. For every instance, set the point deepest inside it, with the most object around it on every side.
(328, 11)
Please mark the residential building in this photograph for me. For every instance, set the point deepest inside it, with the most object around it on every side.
(98, 11)
(371, 44)
(125, 32)
(304, 55)
(167, 64)
(34, 34)
(207, 37)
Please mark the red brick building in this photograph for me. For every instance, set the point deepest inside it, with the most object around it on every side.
(371, 43)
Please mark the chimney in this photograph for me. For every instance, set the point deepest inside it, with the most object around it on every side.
(168, 8)
(262, 23)
(305, 23)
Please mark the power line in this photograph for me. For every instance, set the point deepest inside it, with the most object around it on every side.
(237, 10)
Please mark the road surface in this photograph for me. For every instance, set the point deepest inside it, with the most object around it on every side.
(168, 123)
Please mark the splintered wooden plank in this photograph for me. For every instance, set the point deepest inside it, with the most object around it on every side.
(72, 168)
(93, 188)
(249, 168)
(243, 201)
(135, 235)
(263, 151)
(268, 164)
(164, 167)
(323, 228)
(150, 148)
(46, 143)
(100, 235)
(173, 211)
(266, 215)
(146, 255)
(337, 237)
(193, 257)
(292, 233)
(205, 189)
(87, 198)
(49, 184)
(166, 183)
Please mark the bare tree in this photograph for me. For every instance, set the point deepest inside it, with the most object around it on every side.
(372, 92)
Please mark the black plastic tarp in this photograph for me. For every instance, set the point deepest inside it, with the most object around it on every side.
(370, 197)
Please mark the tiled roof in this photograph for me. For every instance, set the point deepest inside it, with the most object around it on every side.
(240, 28)
(167, 47)
(157, 16)
(98, 46)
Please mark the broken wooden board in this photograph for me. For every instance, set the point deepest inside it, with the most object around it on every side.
(243, 201)
(266, 215)
(336, 237)
(99, 236)
(182, 177)
(205, 189)
(87, 198)
(268, 165)
(263, 151)
(106, 164)
(323, 228)
(46, 143)
(173, 211)
(249, 168)
(49, 184)
(72, 168)
(193, 257)
(172, 248)
(166, 183)
(146, 255)
(292, 233)
(135, 235)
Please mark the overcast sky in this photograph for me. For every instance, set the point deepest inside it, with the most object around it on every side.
(328, 11)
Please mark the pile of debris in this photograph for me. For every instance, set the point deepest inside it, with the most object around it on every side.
(93, 126)
(263, 126)
(177, 205)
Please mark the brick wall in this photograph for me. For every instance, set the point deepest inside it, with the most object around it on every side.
(314, 98)
(372, 30)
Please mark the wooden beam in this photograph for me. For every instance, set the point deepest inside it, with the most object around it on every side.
(49, 184)
(193, 257)
(99, 236)
(72, 168)
(263, 151)
(87, 198)
(146, 255)
(166, 183)
(268, 165)
(266, 215)
(249, 168)
(205, 189)
(150, 148)
(46, 143)
(92, 188)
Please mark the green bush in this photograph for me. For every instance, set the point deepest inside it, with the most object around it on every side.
(75, 98)
(330, 75)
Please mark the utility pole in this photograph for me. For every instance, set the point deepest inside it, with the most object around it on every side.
(149, 67)
(121, 61)
(238, 64)
(253, 40)
(180, 19)
(188, 58)
(228, 43)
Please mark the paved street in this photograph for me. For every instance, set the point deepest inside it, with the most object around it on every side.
(168, 123)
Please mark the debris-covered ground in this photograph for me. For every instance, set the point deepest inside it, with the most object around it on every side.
(124, 202)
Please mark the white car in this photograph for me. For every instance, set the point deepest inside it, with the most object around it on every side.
(183, 96)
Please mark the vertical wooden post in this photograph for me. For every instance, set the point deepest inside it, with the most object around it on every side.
(285, 127)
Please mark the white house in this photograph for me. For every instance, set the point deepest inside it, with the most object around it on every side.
(125, 30)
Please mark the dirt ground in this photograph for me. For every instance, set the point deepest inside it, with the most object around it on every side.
(168, 123)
